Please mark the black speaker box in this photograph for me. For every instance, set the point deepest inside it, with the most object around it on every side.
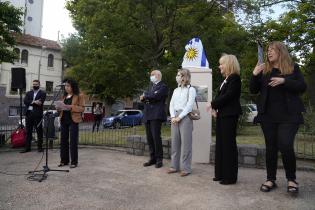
(18, 80)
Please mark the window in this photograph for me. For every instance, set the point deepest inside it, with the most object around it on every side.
(15, 110)
(17, 52)
(49, 86)
(133, 112)
(24, 57)
(50, 60)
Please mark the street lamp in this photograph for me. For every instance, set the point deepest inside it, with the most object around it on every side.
(40, 61)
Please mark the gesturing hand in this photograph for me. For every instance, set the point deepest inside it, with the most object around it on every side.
(214, 113)
(275, 81)
(258, 69)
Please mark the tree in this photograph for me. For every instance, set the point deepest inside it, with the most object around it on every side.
(122, 40)
(10, 21)
(296, 28)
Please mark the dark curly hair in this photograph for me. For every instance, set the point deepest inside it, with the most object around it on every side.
(74, 85)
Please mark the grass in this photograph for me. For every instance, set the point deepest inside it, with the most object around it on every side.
(116, 137)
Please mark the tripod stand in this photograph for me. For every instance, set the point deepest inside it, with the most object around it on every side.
(47, 116)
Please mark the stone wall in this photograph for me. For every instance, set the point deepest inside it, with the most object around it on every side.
(137, 145)
(248, 155)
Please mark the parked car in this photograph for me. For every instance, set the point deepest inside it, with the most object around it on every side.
(251, 112)
(123, 118)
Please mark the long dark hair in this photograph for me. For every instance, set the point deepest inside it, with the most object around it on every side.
(74, 85)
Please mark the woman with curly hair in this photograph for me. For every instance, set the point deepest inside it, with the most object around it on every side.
(70, 117)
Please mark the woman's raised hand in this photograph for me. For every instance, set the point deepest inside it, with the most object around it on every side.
(259, 68)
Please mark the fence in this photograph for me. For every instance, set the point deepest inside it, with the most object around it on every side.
(117, 137)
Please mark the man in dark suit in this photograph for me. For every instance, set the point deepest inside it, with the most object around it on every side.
(154, 115)
(34, 101)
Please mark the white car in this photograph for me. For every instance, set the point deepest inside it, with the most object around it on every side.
(251, 112)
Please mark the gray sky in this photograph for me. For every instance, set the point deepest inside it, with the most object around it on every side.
(56, 18)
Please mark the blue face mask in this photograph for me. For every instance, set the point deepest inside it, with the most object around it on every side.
(153, 79)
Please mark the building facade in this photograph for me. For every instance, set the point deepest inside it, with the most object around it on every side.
(33, 15)
(42, 60)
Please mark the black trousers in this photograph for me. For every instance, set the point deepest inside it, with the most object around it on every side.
(32, 121)
(66, 129)
(97, 121)
(280, 137)
(153, 131)
(226, 155)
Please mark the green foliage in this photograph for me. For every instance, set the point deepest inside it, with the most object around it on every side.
(296, 28)
(9, 22)
(120, 41)
(309, 120)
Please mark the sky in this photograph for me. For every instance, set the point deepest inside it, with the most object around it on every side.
(56, 18)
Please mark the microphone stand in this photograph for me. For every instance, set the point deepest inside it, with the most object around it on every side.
(46, 117)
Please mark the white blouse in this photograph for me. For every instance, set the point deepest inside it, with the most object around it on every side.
(179, 101)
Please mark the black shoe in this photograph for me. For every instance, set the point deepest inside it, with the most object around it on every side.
(149, 163)
(215, 179)
(293, 190)
(73, 165)
(159, 164)
(266, 188)
(227, 182)
(25, 151)
(63, 164)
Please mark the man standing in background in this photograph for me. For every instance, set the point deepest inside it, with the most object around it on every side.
(154, 115)
(34, 101)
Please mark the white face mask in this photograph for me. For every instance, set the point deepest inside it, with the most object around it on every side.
(153, 79)
(179, 79)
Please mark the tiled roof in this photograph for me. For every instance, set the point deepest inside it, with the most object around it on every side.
(30, 40)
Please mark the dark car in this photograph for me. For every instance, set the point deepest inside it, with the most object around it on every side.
(123, 118)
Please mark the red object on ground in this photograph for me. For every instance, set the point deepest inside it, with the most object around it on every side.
(18, 138)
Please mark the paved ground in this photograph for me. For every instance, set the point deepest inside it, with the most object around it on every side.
(114, 180)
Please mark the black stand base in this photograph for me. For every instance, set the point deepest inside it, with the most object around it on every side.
(42, 176)
(45, 170)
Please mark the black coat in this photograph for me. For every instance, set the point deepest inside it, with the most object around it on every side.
(154, 102)
(37, 109)
(227, 101)
(294, 86)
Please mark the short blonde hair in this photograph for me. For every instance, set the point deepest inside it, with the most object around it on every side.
(185, 73)
(231, 63)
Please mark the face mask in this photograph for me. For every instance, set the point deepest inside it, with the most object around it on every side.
(35, 87)
(178, 79)
(153, 79)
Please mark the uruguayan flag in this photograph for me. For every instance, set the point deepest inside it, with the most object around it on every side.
(195, 55)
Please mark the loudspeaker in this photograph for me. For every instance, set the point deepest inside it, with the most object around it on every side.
(18, 79)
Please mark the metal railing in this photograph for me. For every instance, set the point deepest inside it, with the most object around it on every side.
(117, 137)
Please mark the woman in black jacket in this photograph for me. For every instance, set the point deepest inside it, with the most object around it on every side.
(279, 83)
(226, 108)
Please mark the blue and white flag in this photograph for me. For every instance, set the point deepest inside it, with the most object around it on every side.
(195, 55)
